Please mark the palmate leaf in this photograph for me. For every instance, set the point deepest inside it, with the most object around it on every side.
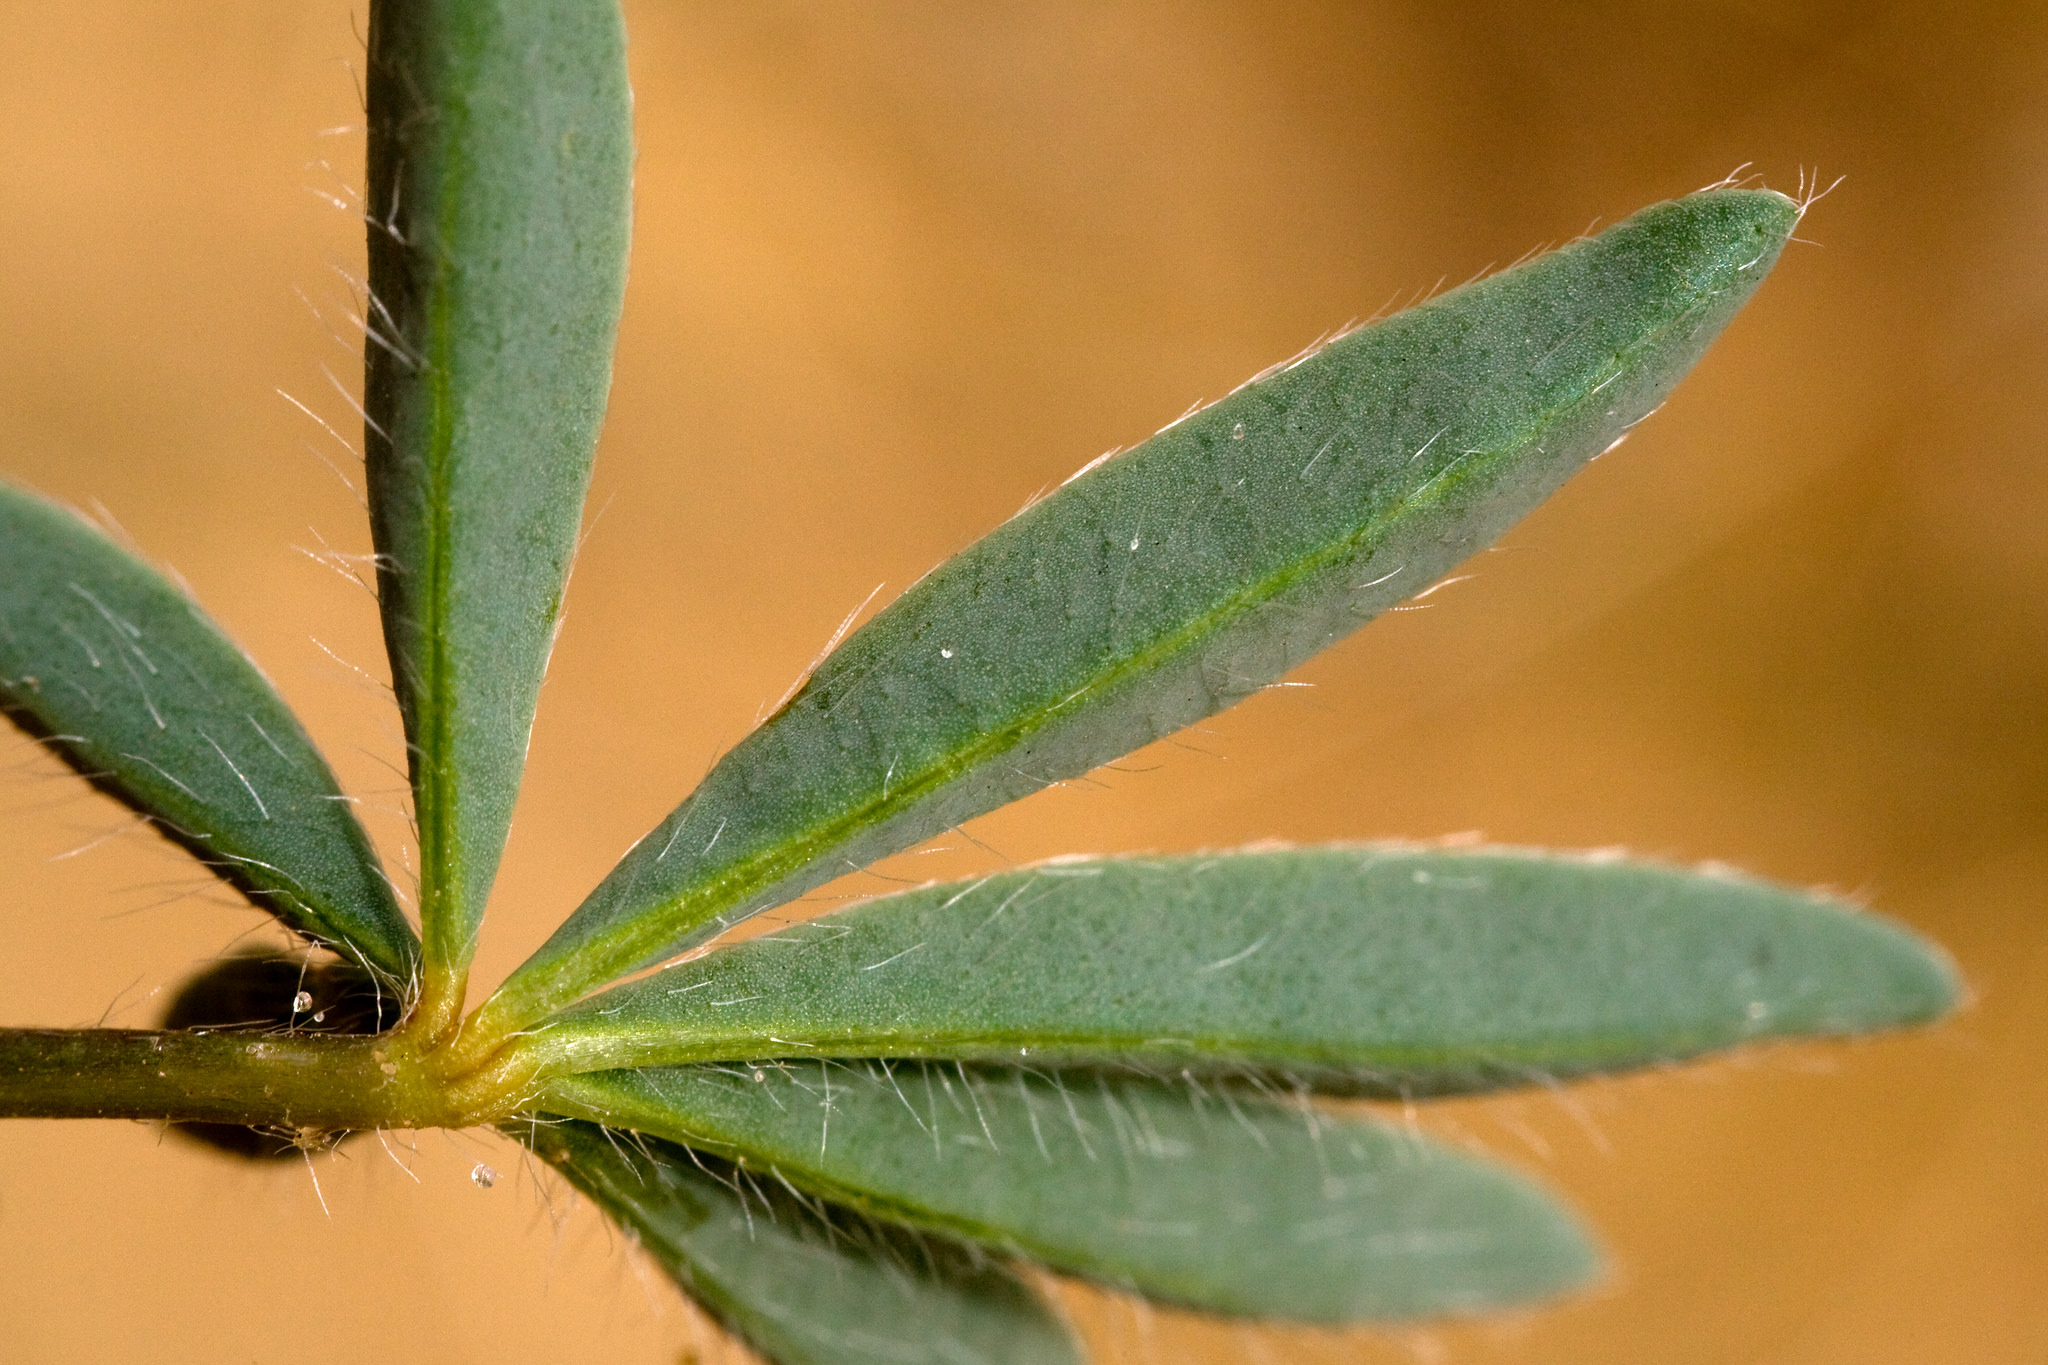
(1384, 969)
(797, 1285)
(500, 166)
(1204, 1197)
(1177, 579)
(122, 674)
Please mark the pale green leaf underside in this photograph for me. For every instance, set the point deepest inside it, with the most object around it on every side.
(795, 1288)
(500, 169)
(1203, 1197)
(1387, 969)
(1179, 578)
(119, 672)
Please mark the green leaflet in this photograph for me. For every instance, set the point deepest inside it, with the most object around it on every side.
(1181, 577)
(500, 166)
(1388, 969)
(1206, 1198)
(796, 1288)
(125, 677)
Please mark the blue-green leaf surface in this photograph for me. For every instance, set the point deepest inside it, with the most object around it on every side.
(1179, 578)
(500, 167)
(1203, 1197)
(123, 675)
(1387, 968)
(796, 1283)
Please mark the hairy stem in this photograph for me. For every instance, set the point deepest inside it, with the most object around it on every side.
(265, 1080)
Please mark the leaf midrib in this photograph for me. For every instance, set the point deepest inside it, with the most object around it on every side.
(665, 1044)
(439, 880)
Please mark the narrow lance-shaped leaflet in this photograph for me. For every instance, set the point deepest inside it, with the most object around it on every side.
(1181, 577)
(800, 1284)
(500, 161)
(1383, 969)
(123, 676)
(1205, 1197)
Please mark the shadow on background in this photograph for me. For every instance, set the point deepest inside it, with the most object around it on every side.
(898, 268)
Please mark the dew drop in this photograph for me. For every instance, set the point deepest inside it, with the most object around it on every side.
(1237, 432)
(320, 1017)
(302, 1002)
(483, 1177)
(760, 1075)
(1758, 1009)
(945, 654)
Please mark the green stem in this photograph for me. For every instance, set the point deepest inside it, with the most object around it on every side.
(265, 1080)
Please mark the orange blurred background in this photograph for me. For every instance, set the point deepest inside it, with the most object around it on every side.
(898, 268)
